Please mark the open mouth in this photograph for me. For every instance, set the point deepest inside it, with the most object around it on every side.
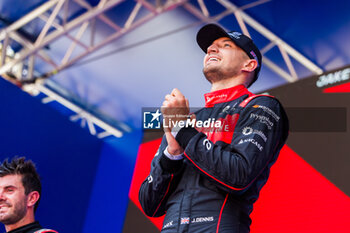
(213, 59)
(3, 206)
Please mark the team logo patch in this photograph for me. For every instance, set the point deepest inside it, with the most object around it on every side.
(252, 141)
(249, 130)
(236, 35)
(269, 111)
(263, 119)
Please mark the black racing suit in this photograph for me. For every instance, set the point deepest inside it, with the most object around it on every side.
(32, 228)
(214, 187)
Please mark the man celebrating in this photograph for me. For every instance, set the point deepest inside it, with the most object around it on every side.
(207, 179)
(20, 190)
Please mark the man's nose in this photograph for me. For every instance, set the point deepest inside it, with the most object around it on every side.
(2, 196)
(212, 48)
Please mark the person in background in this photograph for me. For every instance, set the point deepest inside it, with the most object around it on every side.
(20, 191)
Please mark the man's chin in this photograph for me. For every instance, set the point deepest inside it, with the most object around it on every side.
(9, 218)
(5, 219)
(211, 74)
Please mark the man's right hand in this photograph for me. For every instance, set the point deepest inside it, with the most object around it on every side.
(175, 108)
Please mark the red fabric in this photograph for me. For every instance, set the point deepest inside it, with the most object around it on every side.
(297, 198)
(141, 171)
(225, 133)
(225, 95)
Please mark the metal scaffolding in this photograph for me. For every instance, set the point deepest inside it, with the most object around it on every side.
(56, 19)
(244, 19)
(55, 15)
(57, 24)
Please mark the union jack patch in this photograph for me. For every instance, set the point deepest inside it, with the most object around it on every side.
(185, 220)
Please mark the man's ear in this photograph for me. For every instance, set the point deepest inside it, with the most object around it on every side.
(33, 197)
(250, 65)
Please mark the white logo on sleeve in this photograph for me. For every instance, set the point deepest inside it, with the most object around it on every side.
(150, 179)
(251, 140)
(207, 144)
(263, 119)
(248, 130)
(269, 111)
(169, 224)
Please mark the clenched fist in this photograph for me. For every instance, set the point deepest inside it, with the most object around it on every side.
(175, 108)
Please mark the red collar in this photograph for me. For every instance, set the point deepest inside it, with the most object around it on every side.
(225, 95)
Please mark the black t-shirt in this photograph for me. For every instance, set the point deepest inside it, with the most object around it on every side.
(29, 228)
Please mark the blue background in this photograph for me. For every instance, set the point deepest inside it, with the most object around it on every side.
(85, 180)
